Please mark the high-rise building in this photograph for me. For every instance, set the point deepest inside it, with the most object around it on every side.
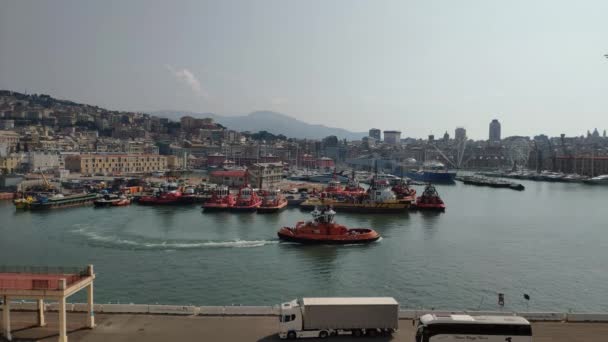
(392, 137)
(494, 130)
(460, 134)
(375, 133)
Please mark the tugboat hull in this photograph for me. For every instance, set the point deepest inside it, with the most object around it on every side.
(328, 240)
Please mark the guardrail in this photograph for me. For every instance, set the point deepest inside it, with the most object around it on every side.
(190, 310)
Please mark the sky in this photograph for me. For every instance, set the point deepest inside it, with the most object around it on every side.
(422, 67)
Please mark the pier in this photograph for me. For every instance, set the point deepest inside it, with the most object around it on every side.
(45, 284)
(167, 327)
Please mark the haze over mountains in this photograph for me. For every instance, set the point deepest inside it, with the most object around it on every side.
(275, 123)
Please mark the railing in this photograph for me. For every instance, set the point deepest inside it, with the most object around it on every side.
(54, 270)
(40, 277)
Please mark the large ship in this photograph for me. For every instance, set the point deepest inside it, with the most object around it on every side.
(379, 199)
(323, 230)
(433, 172)
(59, 201)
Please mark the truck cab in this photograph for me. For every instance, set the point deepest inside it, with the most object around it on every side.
(290, 319)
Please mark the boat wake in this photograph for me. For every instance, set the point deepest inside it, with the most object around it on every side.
(110, 241)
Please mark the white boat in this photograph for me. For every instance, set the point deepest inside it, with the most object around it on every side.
(599, 180)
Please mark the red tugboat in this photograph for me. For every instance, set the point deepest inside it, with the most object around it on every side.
(430, 200)
(273, 201)
(404, 192)
(247, 200)
(171, 197)
(221, 199)
(323, 230)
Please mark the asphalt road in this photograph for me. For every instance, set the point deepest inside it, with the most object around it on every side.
(129, 327)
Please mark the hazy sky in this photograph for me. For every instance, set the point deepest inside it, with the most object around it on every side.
(418, 66)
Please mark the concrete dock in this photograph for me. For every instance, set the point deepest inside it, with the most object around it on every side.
(145, 327)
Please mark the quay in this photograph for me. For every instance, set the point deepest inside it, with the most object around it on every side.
(149, 327)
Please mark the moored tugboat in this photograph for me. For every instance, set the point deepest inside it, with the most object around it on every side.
(403, 191)
(272, 202)
(162, 198)
(430, 200)
(323, 230)
(379, 198)
(106, 200)
(221, 199)
(246, 200)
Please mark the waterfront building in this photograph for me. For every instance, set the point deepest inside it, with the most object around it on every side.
(9, 138)
(42, 161)
(10, 163)
(392, 137)
(231, 178)
(266, 175)
(460, 134)
(375, 133)
(115, 164)
(494, 130)
(582, 164)
(7, 124)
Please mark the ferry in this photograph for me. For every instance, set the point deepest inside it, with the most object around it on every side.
(272, 202)
(323, 230)
(221, 199)
(433, 172)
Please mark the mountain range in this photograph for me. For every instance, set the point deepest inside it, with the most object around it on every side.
(275, 123)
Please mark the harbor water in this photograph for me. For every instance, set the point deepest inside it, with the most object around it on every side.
(549, 241)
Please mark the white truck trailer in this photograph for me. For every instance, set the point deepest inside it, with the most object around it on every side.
(323, 317)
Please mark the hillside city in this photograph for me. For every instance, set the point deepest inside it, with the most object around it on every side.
(39, 133)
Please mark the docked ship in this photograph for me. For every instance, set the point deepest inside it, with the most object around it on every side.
(272, 202)
(246, 200)
(162, 198)
(112, 200)
(379, 198)
(430, 200)
(60, 201)
(327, 177)
(434, 172)
(324, 230)
(296, 199)
(221, 199)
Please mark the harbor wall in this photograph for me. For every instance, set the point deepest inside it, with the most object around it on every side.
(189, 310)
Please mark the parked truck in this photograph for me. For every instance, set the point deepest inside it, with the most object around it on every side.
(324, 317)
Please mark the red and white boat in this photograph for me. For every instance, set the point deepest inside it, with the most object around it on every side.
(221, 199)
(430, 200)
(272, 202)
(247, 200)
(323, 230)
(162, 198)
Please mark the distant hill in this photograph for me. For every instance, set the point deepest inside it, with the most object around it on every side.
(272, 122)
